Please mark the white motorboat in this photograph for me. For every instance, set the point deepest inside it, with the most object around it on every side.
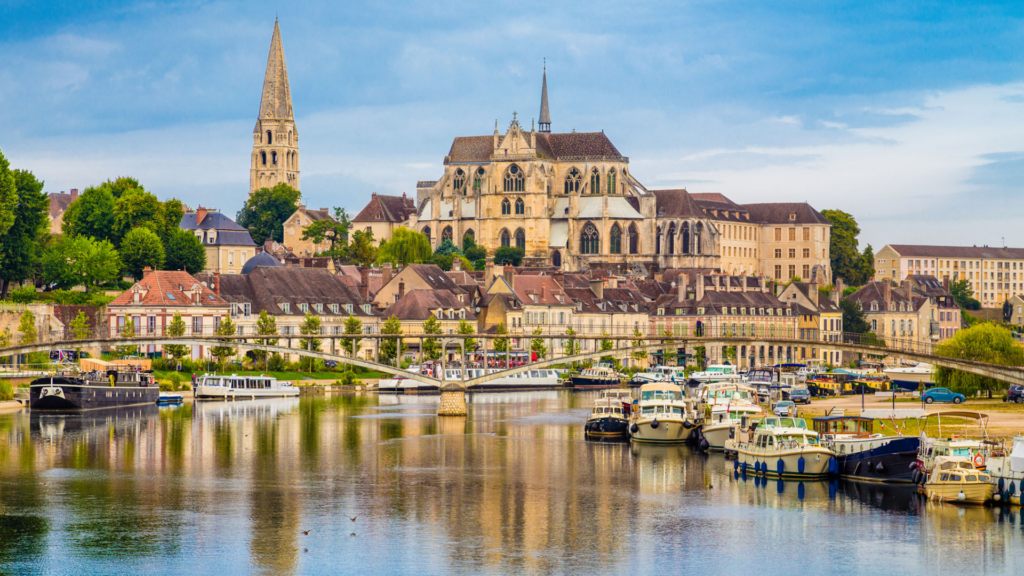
(661, 374)
(717, 373)
(783, 448)
(1007, 471)
(916, 377)
(235, 386)
(660, 414)
(725, 405)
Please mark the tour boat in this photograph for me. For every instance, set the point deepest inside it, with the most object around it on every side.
(95, 389)
(783, 448)
(660, 414)
(917, 377)
(594, 377)
(955, 479)
(235, 386)
(540, 379)
(1007, 471)
(607, 418)
(862, 454)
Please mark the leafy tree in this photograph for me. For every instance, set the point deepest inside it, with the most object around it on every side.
(141, 247)
(6, 337)
(432, 346)
(176, 329)
(509, 255)
(265, 211)
(80, 326)
(571, 346)
(843, 251)
(136, 208)
(80, 261)
(537, 344)
(465, 328)
(352, 326)
(361, 249)
(121, 186)
(446, 261)
(92, 215)
(853, 317)
(391, 348)
(471, 251)
(266, 325)
(447, 247)
(174, 210)
(27, 328)
(607, 344)
(985, 342)
(501, 344)
(334, 232)
(127, 332)
(8, 199)
(729, 353)
(405, 247)
(223, 352)
(185, 251)
(310, 327)
(963, 295)
(638, 354)
(867, 265)
(700, 356)
(21, 246)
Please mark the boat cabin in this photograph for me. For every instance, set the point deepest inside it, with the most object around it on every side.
(841, 425)
(784, 432)
(660, 391)
(240, 382)
(607, 407)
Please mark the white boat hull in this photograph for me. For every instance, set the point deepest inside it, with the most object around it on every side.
(717, 434)
(668, 431)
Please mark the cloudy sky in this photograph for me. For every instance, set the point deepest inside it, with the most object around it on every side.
(909, 115)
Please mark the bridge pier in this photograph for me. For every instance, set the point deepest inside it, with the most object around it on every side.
(453, 401)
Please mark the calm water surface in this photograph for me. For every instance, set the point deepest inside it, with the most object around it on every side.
(227, 488)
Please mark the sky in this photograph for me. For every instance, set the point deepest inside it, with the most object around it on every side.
(908, 115)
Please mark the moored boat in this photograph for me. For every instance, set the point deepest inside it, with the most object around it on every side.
(607, 418)
(917, 377)
(594, 377)
(91, 390)
(955, 479)
(862, 454)
(235, 386)
(660, 414)
(1006, 471)
(784, 448)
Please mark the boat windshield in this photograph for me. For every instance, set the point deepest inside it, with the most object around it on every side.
(799, 439)
(660, 395)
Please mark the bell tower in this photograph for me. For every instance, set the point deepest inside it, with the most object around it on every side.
(275, 140)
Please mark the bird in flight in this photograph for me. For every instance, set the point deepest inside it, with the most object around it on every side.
(353, 518)
(306, 532)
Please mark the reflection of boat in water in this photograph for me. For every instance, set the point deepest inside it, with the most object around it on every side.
(889, 497)
(542, 379)
(246, 408)
(55, 425)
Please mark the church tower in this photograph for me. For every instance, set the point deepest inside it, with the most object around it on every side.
(545, 115)
(275, 140)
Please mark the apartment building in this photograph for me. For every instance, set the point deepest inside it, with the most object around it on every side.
(994, 274)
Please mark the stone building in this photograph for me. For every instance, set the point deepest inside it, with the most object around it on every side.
(275, 139)
(59, 202)
(382, 214)
(228, 245)
(296, 224)
(899, 316)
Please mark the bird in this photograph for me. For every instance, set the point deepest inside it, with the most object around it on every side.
(710, 486)
(305, 549)
(306, 532)
(353, 518)
(352, 534)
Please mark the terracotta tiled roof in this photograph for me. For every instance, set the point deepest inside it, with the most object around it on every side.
(541, 290)
(419, 304)
(780, 212)
(169, 288)
(381, 208)
(268, 288)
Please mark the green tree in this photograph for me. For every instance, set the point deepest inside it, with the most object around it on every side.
(174, 210)
(5, 337)
(80, 326)
(853, 317)
(353, 326)
(127, 332)
(80, 261)
(432, 346)
(638, 354)
(465, 329)
(985, 342)
(607, 344)
(571, 346)
(867, 265)
(122, 185)
(185, 252)
(471, 251)
(509, 255)
(264, 213)
(141, 247)
(310, 327)
(266, 325)
(27, 328)
(700, 356)
(537, 344)
(405, 247)
(224, 351)
(362, 250)
(501, 344)
(136, 208)
(92, 215)
(333, 231)
(729, 353)
(176, 329)
(391, 348)
(8, 199)
(447, 247)
(963, 295)
(21, 245)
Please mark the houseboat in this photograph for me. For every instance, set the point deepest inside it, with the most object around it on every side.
(784, 448)
(235, 386)
(862, 454)
(717, 373)
(94, 389)
(660, 414)
(598, 376)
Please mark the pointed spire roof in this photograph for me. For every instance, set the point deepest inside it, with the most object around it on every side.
(277, 96)
(545, 114)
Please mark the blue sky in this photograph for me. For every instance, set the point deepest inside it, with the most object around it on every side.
(909, 115)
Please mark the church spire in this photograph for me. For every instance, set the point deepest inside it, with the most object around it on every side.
(275, 140)
(545, 115)
(276, 103)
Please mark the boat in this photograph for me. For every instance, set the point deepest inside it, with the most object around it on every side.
(1006, 471)
(235, 386)
(93, 389)
(862, 454)
(725, 408)
(661, 415)
(917, 377)
(832, 384)
(763, 381)
(171, 398)
(869, 384)
(955, 479)
(717, 373)
(932, 448)
(607, 418)
(405, 385)
(783, 448)
(660, 374)
(598, 376)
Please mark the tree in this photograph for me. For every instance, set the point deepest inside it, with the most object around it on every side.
(700, 356)
(266, 325)
(92, 215)
(501, 344)
(122, 185)
(310, 326)
(27, 328)
(176, 329)
(6, 337)
(607, 344)
(867, 265)
(571, 346)
(391, 348)
(447, 247)
(221, 353)
(174, 210)
(432, 346)
(847, 261)
(361, 249)
(405, 247)
(465, 328)
(853, 317)
(509, 255)
(985, 342)
(638, 354)
(141, 248)
(136, 208)
(353, 326)
(185, 252)
(80, 261)
(80, 326)
(729, 353)
(333, 231)
(21, 246)
(537, 344)
(963, 295)
(8, 198)
(127, 332)
(264, 213)
(471, 251)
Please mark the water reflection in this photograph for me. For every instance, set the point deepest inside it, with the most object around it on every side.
(228, 487)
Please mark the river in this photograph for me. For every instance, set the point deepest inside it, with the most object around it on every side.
(229, 488)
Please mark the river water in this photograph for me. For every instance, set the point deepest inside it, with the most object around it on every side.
(228, 488)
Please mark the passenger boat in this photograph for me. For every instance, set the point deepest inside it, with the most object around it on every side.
(955, 479)
(1006, 471)
(594, 377)
(784, 448)
(607, 418)
(717, 373)
(862, 454)
(660, 374)
(95, 389)
(235, 386)
(660, 414)
(917, 377)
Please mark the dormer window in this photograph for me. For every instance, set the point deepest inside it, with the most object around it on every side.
(462, 314)
(734, 310)
(743, 311)
(366, 308)
(559, 298)
(771, 311)
(534, 298)
(874, 306)
(348, 308)
(579, 306)
(700, 311)
(460, 297)
(286, 308)
(661, 311)
(304, 308)
(334, 308)
(319, 308)
(792, 217)
(760, 311)
(789, 312)
(679, 311)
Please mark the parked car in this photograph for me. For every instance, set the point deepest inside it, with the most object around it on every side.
(1015, 394)
(942, 395)
(800, 396)
(331, 363)
(783, 408)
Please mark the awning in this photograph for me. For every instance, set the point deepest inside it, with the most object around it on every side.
(559, 234)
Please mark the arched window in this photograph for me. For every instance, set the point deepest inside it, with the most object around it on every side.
(506, 239)
(611, 181)
(263, 158)
(426, 232)
(478, 180)
(573, 181)
(446, 234)
(506, 207)
(671, 238)
(270, 138)
(459, 181)
(520, 207)
(514, 180)
(471, 234)
(595, 182)
(521, 239)
(634, 239)
(686, 238)
(289, 137)
(657, 240)
(615, 245)
(698, 231)
(273, 158)
(556, 259)
(590, 241)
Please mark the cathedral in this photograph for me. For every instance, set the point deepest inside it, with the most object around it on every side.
(275, 139)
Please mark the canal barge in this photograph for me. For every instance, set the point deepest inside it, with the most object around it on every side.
(94, 389)
(784, 448)
(862, 454)
(607, 418)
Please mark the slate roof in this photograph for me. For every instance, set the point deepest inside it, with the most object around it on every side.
(873, 292)
(266, 288)
(676, 204)
(779, 213)
(716, 302)
(419, 304)
(652, 289)
(212, 221)
(168, 288)
(261, 259)
(59, 202)
(911, 250)
(381, 208)
(436, 278)
(562, 146)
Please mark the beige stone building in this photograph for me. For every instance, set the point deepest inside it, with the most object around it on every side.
(994, 274)
(296, 224)
(59, 202)
(275, 139)
(228, 245)
(900, 316)
(383, 214)
(415, 277)
(821, 319)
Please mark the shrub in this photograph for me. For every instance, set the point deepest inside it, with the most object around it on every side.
(24, 295)
(6, 390)
(276, 363)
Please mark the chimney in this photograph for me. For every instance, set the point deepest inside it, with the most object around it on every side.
(743, 283)
(364, 284)
(488, 272)
(837, 291)
(613, 282)
(386, 274)
(401, 289)
(597, 287)
(324, 210)
(74, 194)
(886, 293)
(147, 271)
(812, 293)
(908, 287)
(200, 214)
(700, 287)
(216, 283)
(510, 276)
(559, 278)
(543, 291)
(682, 280)
(457, 264)
(945, 283)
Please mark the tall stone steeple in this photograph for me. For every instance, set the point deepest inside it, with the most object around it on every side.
(275, 140)
(545, 115)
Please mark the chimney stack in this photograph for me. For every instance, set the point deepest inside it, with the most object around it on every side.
(886, 293)
(700, 287)
(945, 283)
(488, 272)
(200, 215)
(762, 284)
(364, 284)
(681, 281)
(401, 289)
(386, 273)
(812, 292)
(457, 264)
(543, 291)
(74, 194)
(597, 287)
(837, 291)
(147, 271)
(743, 283)
(908, 287)
(510, 276)
(216, 283)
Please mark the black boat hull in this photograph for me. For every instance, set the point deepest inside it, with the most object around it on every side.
(71, 394)
(607, 426)
(889, 463)
(580, 381)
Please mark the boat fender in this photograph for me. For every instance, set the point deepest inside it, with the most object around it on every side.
(654, 423)
(687, 425)
(743, 467)
(704, 444)
(1012, 490)
(961, 496)
(634, 428)
(879, 468)
(996, 497)
(735, 464)
(801, 464)
(915, 476)
(780, 466)
(800, 490)
(1000, 484)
